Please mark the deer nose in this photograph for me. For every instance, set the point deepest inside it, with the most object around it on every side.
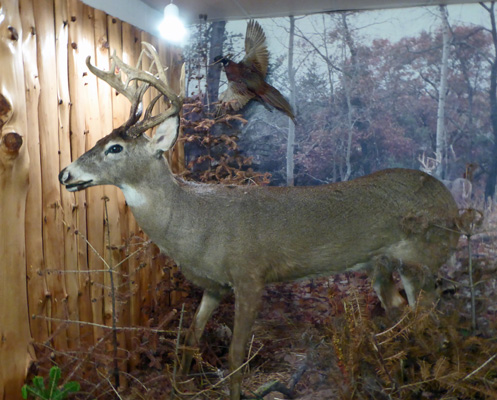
(64, 176)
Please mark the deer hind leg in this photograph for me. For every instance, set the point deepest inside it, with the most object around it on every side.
(248, 298)
(384, 285)
(419, 283)
(210, 301)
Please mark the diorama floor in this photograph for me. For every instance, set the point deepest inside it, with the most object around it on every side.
(325, 338)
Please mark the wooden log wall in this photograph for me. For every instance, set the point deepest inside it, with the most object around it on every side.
(55, 244)
(14, 164)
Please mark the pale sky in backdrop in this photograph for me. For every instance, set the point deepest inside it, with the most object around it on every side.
(392, 24)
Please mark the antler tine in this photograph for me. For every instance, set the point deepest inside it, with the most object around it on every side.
(161, 84)
(151, 106)
(114, 79)
(134, 92)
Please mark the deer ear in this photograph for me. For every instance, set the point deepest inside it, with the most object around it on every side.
(165, 135)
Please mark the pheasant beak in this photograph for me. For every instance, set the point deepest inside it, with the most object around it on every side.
(221, 59)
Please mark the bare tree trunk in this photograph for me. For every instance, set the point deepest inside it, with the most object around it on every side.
(14, 163)
(290, 165)
(215, 49)
(348, 75)
(328, 64)
(492, 173)
(441, 138)
(350, 128)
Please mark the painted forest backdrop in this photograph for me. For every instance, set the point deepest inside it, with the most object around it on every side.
(362, 104)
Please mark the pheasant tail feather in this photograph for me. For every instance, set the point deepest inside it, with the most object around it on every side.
(274, 98)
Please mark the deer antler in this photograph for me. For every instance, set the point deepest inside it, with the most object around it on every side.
(134, 91)
(429, 164)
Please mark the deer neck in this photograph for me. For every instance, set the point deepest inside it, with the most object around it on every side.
(152, 197)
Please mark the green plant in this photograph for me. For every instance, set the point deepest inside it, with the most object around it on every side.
(52, 392)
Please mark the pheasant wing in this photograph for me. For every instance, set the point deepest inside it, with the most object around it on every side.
(255, 48)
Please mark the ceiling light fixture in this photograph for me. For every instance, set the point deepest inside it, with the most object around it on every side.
(171, 27)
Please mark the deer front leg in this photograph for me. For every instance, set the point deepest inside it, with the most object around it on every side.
(247, 303)
(209, 302)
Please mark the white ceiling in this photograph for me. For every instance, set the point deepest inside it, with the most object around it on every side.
(146, 14)
(245, 9)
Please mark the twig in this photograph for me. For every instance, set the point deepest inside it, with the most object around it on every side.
(410, 385)
(288, 391)
(110, 383)
(392, 327)
(75, 271)
(393, 382)
(247, 370)
(471, 285)
(195, 395)
(82, 361)
(119, 328)
(176, 350)
(145, 244)
(230, 374)
(480, 367)
(135, 379)
(113, 298)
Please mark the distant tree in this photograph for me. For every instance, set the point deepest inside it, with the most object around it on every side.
(290, 165)
(441, 134)
(216, 42)
(492, 170)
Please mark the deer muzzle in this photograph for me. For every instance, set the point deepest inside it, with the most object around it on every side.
(71, 184)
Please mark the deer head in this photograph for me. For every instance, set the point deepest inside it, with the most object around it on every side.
(127, 148)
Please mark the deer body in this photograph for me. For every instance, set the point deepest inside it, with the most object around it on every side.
(291, 233)
(241, 237)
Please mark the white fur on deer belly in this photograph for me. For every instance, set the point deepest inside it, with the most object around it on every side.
(403, 250)
(132, 196)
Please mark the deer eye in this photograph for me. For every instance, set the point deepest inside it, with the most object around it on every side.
(117, 148)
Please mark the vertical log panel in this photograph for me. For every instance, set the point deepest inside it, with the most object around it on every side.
(101, 59)
(67, 198)
(49, 145)
(120, 111)
(171, 57)
(36, 284)
(156, 260)
(77, 131)
(14, 163)
(131, 48)
(131, 51)
(112, 239)
(144, 278)
(94, 196)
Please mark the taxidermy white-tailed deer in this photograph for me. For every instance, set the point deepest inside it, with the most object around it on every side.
(238, 238)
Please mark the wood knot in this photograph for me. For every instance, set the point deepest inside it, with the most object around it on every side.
(5, 110)
(12, 142)
(13, 33)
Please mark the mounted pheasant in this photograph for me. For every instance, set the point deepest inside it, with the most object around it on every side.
(246, 79)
